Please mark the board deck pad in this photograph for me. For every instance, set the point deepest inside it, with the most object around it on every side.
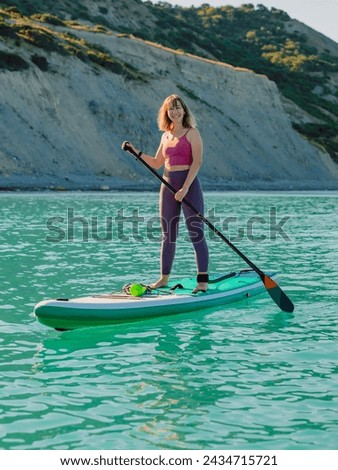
(118, 307)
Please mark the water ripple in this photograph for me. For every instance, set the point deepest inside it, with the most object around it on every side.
(239, 376)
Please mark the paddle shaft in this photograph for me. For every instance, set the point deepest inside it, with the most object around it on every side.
(195, 211)
(275, 292)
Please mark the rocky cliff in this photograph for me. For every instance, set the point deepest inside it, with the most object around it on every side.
(63, 118)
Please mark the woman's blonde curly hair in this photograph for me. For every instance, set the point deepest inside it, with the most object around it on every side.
(163, 120)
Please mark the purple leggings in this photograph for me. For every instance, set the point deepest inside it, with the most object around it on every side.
(170, 211)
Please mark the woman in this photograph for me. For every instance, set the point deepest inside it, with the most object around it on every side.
(180, 151)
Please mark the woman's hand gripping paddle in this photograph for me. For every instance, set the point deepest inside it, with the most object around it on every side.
(275, 292)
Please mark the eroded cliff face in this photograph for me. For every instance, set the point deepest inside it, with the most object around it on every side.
(64, 126)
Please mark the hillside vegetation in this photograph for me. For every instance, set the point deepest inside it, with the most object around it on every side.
(259, 39)
(264, 40)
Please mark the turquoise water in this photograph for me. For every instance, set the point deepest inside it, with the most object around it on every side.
(242, 376)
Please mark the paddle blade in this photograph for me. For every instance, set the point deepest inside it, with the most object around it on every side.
(277, 295)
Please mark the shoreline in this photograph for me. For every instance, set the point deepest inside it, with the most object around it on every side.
(49, 183)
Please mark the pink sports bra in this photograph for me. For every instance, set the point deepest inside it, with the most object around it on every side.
(181, 153)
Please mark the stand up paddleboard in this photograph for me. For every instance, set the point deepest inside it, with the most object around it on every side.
(119, 307)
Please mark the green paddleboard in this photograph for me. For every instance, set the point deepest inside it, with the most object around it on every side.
(119, 307)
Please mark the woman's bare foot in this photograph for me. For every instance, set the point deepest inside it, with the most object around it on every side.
(162, 282)
(202, 283)
(201, 287)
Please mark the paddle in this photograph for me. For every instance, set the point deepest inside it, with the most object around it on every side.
(275, 292)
